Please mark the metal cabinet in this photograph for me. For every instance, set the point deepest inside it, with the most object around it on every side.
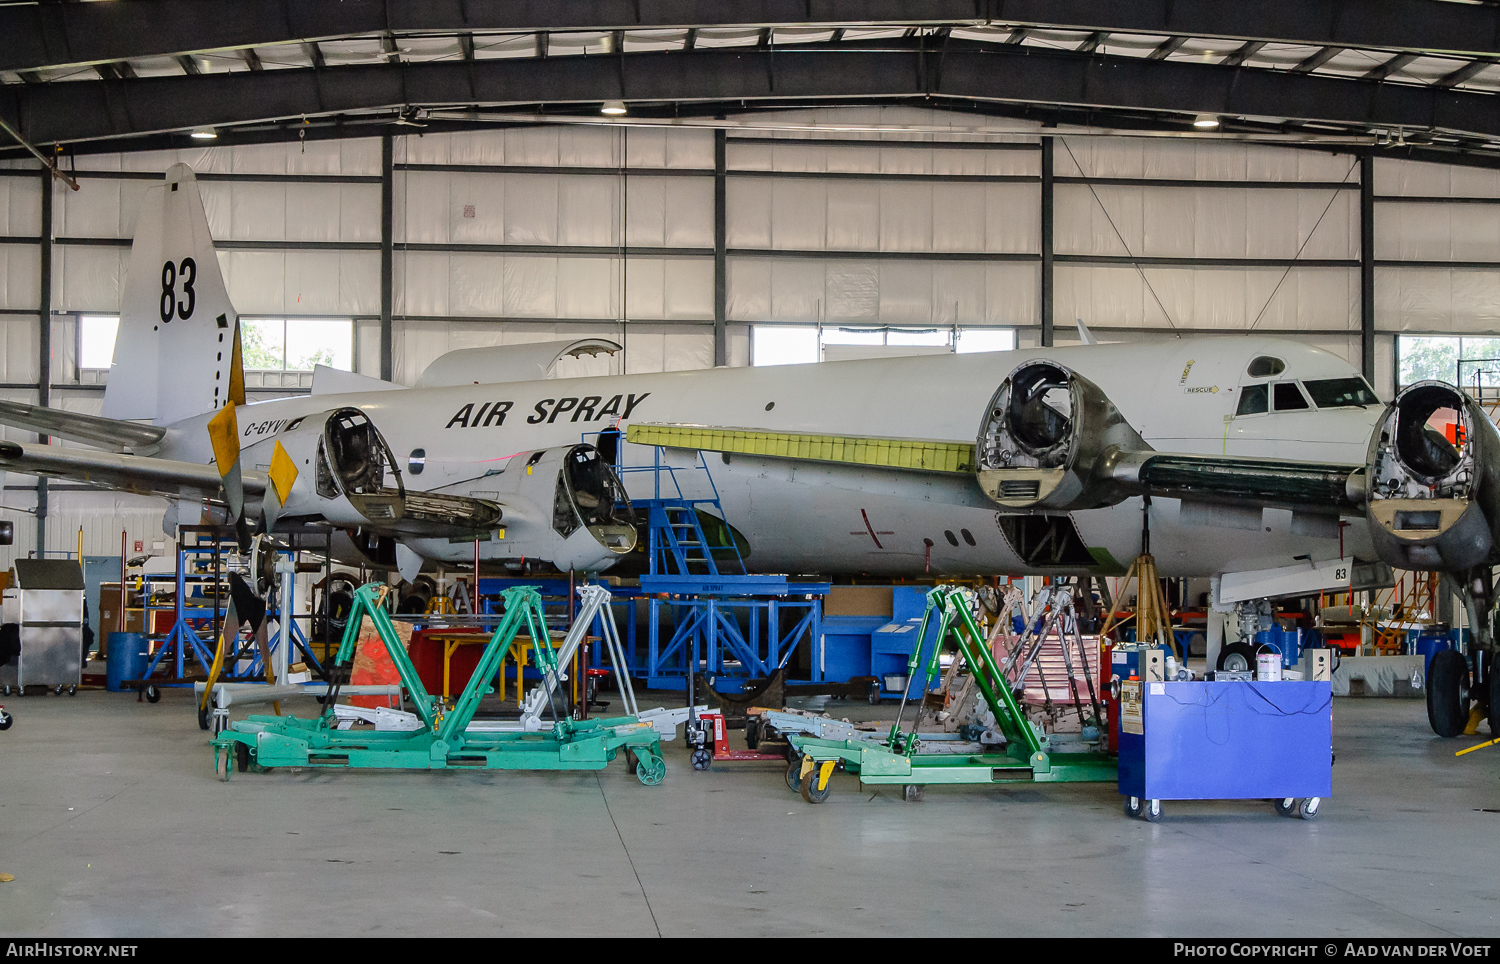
(45, 604)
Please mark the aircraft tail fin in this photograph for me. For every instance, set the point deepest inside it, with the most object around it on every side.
(1084, 335)
(174, 353)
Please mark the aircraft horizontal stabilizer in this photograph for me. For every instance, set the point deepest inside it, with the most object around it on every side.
(922, 455)
(139, 474)
(114, 434)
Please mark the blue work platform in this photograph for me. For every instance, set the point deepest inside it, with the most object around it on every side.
(1231, 740)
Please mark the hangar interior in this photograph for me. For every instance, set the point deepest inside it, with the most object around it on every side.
(781, 185)
(870, 241)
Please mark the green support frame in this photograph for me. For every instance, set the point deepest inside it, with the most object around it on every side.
(444, 740)
(900, 760)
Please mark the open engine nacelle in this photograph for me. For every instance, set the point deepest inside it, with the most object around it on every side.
(1051, 440)
(565, 506)
(348, 477)
(1434, 504)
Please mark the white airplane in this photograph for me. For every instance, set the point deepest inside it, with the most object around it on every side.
(1268, 464)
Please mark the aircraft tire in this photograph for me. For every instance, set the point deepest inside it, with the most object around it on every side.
(1448, 693)
(1228, 654)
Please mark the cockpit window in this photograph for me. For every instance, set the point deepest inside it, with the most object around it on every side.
(1340, 392)
(1288, 397)
(1252, 400)
(1264, 366)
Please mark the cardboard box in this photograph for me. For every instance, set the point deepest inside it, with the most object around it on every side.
(858, 601)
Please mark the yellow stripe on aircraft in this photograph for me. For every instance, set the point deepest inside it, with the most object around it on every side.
(891, 453)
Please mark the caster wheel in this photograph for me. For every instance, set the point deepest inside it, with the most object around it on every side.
(1309, 808)
(5, 690)
(874, 694)
(1133, 806)
(72, 691)
(810, 791)
(794, 776)
(702, 758)
(242, 757)
(1152, 811)
(222, 757)
(1286, 807)
(202, 717)
(6, 720)
(752, 734)
(913, 793)
(153, 695)
(651, 770)
(57, 690)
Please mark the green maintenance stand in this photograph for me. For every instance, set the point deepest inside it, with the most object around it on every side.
(443, 740)
(899, 758)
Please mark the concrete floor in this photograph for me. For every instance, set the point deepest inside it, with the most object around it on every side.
(113, 824)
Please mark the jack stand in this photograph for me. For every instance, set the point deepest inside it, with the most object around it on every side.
(440, 738)
(1026, 757)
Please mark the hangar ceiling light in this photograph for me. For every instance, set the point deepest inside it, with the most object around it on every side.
(1205, 120)
(204, 133)
(613, 107)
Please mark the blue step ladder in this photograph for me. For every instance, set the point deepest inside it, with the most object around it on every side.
(676, 542)
(729, 624)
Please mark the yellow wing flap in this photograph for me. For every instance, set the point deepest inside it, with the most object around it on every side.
(922, 455)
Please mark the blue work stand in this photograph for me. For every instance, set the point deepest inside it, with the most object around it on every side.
(1229, 741)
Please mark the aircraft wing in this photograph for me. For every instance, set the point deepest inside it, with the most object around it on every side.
(423, 513)
(140, 474)
(114, 434)
(1308, 486)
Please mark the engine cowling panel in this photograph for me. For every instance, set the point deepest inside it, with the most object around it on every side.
(1050, 439)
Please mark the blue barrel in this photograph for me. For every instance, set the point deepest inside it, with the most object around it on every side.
(128, 656)
(1427, 647)
(1287, 642)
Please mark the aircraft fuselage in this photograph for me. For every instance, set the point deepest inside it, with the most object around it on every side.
(1181, 395)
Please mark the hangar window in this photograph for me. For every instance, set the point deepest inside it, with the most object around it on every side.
(800, 344)
(96, 340)
(1473, 363)
(296, 344)
(1264, 366)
